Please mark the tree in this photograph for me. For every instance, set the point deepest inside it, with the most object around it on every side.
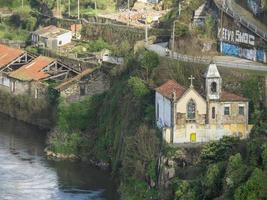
(218, 150)
(138, 87)
(212, 181)
(235, 172)
(185, 191)
(264, 156)
(149, 61)
(254, 188)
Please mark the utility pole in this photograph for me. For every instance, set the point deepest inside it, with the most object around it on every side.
(128, 12)
(59, 8)
(173, 38)
(78, 9)
(146, 33)
(69, 8)
(221, 31)
(95, 8)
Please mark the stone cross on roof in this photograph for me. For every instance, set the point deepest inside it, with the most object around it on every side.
(191, 78)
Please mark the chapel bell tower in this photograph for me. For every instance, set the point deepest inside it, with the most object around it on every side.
(213, 83)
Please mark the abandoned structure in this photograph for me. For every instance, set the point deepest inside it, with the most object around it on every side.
(186, 116)
(22, 73)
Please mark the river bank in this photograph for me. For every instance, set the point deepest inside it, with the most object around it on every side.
(22, 145)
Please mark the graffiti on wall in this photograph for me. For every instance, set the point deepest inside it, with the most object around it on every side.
(251, 54)
(254, 6)
(236, 36)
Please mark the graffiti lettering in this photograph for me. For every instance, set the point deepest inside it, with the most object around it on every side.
(236, 36)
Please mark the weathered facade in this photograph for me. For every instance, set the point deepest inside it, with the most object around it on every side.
(186, 116)
(51, 37)
(90, 82)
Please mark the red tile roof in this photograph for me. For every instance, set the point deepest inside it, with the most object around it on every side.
(33, 70)
(169, 87)
(8, 54)
(227, 96)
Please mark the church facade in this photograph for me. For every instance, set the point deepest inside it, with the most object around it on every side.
(186, 116)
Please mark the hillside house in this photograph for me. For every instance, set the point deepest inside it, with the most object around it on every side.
(187, 116)
(10, 59)
(51, 37)
(30, 78)
(200, 15)
(88, 83)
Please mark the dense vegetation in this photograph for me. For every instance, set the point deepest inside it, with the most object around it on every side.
(117, 127)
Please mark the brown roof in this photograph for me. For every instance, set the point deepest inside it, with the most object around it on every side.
(169, 87)
(227, 96)
(8, 54)
(33, 70)
(74, 80)
(51, 31)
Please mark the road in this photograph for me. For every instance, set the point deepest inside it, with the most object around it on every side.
(223, 61)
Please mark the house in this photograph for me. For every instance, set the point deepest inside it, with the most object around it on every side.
(51, 37)
(26, 79)
(200, 15)
(30, 78)
(10, 58)
(90, 82)
(187, 116)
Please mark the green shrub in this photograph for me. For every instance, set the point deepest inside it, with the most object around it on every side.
(65, 143)
(74, 116)
(235, 172)
(218, 150)
(254, 188)
(138, 87)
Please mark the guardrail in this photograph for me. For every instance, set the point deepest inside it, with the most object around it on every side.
(226, 8)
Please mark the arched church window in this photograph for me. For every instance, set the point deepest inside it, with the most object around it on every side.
(213, 87)
(191, 110)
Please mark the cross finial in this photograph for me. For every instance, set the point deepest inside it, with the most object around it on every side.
(191, 78)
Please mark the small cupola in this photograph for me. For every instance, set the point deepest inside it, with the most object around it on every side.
(213, 83)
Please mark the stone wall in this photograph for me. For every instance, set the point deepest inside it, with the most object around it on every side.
(98, 83)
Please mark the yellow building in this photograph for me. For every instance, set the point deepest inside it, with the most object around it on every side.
(185, 116)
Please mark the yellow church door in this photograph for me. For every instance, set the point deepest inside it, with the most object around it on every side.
(193, 137)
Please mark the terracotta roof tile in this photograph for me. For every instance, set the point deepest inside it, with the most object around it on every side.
(33, 70)
(227, 96)
(8, 54)
(169, 87)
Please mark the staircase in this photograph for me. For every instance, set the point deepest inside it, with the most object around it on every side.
(244, 17)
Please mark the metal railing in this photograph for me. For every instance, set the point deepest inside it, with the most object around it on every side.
(241, 19)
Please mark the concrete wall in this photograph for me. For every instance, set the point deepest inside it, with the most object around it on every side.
(64, 38)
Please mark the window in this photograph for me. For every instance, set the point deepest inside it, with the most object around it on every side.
(213, 87)
(36, 93)
(60, 42)
(226, 110)
(157, 111)
(213, 113)
(241, 110)
(13, 88)
(191, 110)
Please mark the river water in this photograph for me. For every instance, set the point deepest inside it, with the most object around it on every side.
(26, 174)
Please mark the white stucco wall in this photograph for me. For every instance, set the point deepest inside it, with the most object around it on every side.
(163, 111)
(64, 38)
